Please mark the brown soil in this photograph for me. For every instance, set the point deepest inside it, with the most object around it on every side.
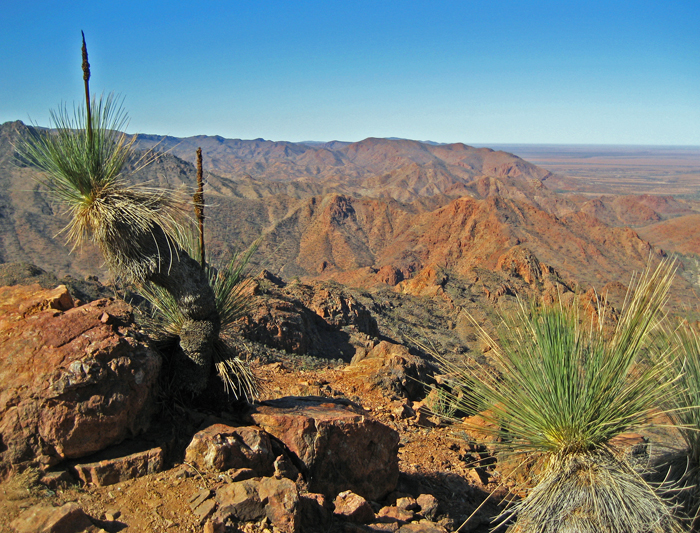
(433, 460)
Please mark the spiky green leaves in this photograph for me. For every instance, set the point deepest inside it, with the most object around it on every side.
(136, 228)
(232, 302)
(561, 384)
(80, 166)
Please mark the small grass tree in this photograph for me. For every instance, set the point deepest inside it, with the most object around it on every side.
(230, 288)
(561, 391)
(137, 229)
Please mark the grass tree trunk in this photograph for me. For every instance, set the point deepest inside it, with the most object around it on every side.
(152, 255)
(185, 280)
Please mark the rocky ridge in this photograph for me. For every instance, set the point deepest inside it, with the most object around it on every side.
(369, 213)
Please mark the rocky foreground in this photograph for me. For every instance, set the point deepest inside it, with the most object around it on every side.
(93, 441)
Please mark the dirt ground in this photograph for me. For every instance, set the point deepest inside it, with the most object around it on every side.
(433, 460)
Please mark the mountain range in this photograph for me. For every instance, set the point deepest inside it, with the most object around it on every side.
(374, 212)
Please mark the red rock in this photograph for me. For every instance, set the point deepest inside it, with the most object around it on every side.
(204, 509)
(391, 368)
(199, 497)
(390, 275)
(306, 319)
(281, 499)
(71, 384)
(221, 447)
(403, 411)
(214, 525)
(429, 506)
(341, 447)
(239, 501)
(631, 443)
(240, 474)
(394, 514)
(423, 526)
(389, 527)
(55, 480)
(285, 468)
(314, 511)
(408, 503)
(69, 518)
(111, 471)
(353, 508)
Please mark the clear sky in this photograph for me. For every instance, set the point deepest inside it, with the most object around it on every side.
(479, 72)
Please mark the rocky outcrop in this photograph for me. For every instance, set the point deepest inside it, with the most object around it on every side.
(244, 501)
(74, 379)
(337, 444)
(522, 263)
(392, 368)
(43, 518)
(111, 471)
(317, 319)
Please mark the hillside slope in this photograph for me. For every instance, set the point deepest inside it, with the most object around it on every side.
(374, 212)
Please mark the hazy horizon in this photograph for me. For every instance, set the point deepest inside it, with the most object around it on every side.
(507, 73)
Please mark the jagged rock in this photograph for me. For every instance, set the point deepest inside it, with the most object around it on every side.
(392, 368)
(239, 501)
(521, 262)
(429, 506)
(407, 503)
(110, 471)
(252, 499)
(315, 511)
(56, 479)
(221, 447)
(74, 380)
(281, 499)
(240, 474)
(422, 526)
(214, 525)
(395, 514)
(353, 508)
(309, 319)
(340, 446)
(42, 518)
(428, 282)
(390, 275)
(285, 468)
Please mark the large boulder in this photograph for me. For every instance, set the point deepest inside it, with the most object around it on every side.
(391, 368)
(73, 380)
(337, 444)
(221, 447)
(318, 319)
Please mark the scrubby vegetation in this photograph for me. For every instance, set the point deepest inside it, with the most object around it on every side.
(139, 230)
(561, 391)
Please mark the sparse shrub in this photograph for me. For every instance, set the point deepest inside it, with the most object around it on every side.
(560, 391)
(441, 403)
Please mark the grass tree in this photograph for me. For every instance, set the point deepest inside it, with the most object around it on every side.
(137, 229)
(230, 287)
(231, 293)
(684, 409)
(560, 390)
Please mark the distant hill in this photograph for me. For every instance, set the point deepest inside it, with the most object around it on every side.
(399, 169)
(377, 211)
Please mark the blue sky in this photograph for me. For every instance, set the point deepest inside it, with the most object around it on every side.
(592, 72)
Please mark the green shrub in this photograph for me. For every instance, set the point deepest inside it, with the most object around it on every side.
(561, 389)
